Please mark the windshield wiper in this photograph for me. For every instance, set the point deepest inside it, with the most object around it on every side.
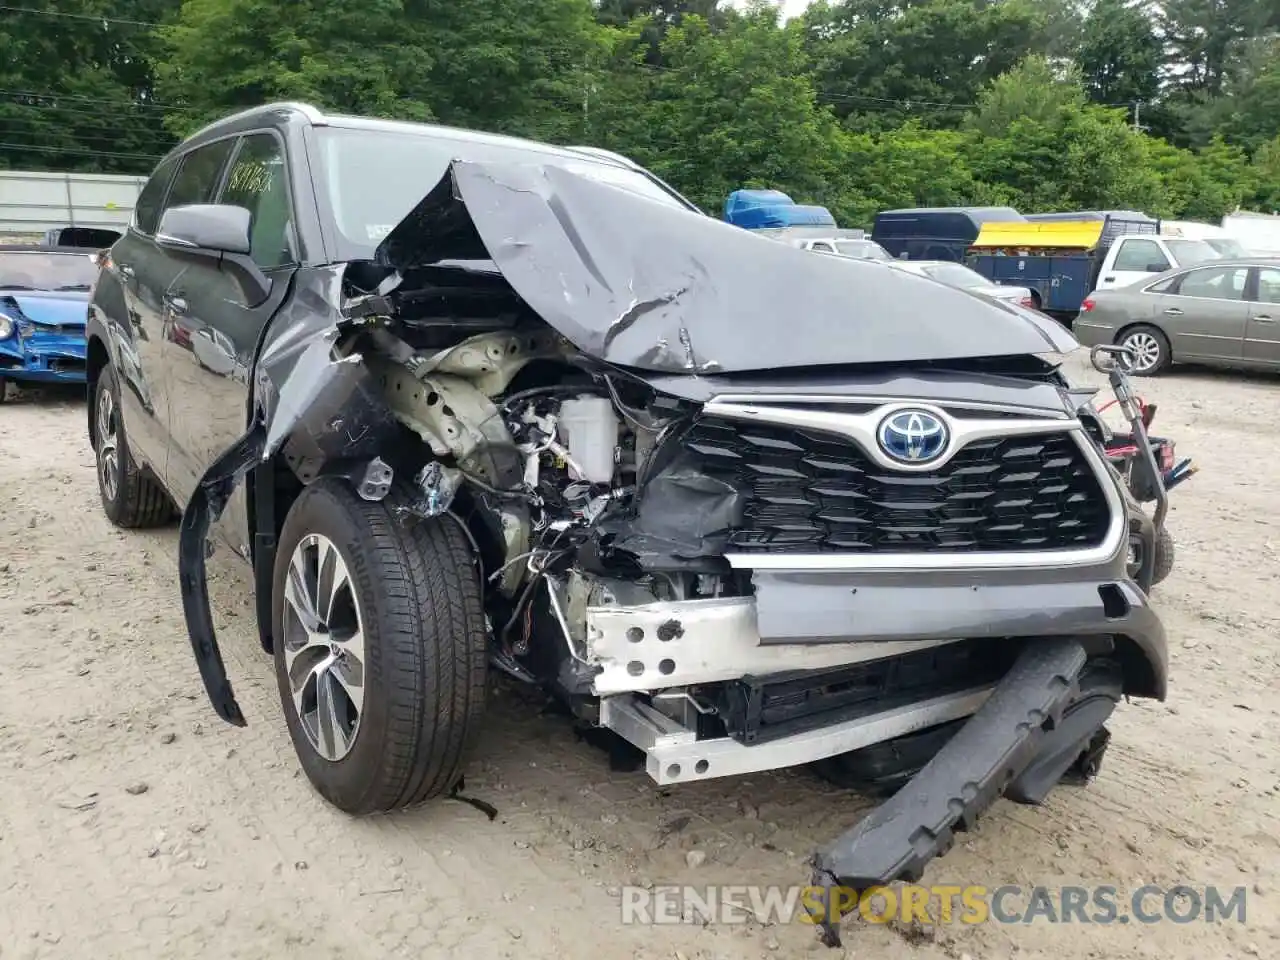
(14, 286)
(73, 286)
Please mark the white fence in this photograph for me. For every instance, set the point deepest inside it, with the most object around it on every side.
(31, 203)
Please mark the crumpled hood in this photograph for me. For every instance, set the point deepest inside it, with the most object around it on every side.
(46, 308)
(640, 284)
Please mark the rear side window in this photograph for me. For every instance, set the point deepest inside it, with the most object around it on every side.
(199, 175)
(258, 182)
(1142, 256)
(146, 210)
(1268, 285)
(1215, 283)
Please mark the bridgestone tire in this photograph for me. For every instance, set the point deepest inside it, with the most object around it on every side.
(425, 647)
(139, 501)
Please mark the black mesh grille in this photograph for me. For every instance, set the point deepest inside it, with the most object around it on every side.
(811, 492)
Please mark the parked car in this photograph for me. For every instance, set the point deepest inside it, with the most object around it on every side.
(73, 236)
(519, 405)
(1226, 312)
(857, 249)
(44, 295)
(961, 277)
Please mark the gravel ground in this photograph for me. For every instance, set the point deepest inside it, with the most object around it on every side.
(133, 823)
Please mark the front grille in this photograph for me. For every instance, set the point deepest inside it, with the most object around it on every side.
(57, 329)
(813, 492)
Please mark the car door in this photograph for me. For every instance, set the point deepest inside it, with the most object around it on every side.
(1132, 259)
(1262, 334)
(153, 269)
(209, 388)
(1205, 313)
(135, 327)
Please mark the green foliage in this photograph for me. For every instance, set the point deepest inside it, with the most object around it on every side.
(859, 105)
(1119, 53)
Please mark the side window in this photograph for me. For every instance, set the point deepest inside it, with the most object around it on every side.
(1140, 255)
(259, 183)
(146, 209)
(1215, 283)
(1268, 285)
(198, 177)
(822, 247)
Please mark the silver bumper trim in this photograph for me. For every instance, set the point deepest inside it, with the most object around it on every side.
(675, 755)
(655, 646)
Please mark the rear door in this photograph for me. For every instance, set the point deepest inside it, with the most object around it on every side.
(118, 300)
(1205, 313)
(1262, 334)
(216, 330)
(1131, 259)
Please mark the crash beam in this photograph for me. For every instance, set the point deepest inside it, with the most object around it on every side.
(674, 754)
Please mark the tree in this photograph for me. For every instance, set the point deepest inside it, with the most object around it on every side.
(925, 59)
(495, 64)
(1265, 176)
(1205, 36)
(1083, 158)
(76, 87)
(1119, 53)
(730, 108)
(1033, 90)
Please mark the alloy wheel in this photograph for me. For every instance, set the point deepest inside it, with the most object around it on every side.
(324, 652)
(1145, 349)
(108, 444)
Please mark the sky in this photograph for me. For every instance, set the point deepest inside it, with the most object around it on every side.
(790, 8)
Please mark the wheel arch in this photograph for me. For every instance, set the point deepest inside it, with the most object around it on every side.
(96, 359)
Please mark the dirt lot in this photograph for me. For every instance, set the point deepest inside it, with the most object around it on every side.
(134, 823)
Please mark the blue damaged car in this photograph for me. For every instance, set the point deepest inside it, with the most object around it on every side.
(44, 302)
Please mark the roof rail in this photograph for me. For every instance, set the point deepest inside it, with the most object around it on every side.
(312, 114)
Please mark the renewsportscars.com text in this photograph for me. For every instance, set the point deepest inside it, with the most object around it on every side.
(938, 904)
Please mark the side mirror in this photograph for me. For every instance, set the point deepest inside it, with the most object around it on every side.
(1157, 267)
(215, 231)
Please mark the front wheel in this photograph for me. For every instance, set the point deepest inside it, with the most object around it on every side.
(380, 648)
(1149, 348)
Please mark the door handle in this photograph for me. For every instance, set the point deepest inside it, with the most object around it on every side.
(1173, 312)
(1264, 318)
(126, 271)
(1108, 279)
(177, 306)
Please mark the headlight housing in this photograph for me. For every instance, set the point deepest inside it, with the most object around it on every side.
(7, 327)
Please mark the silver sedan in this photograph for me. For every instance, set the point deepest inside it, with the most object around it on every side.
(958, 275)
(1226, 312)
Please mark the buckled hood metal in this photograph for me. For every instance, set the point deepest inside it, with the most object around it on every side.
(660, 289)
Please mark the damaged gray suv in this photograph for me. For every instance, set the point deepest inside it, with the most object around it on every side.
(467, 402)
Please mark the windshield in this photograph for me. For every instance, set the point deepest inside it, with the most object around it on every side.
(955, 275)
(1227, 247)
(375, 177)
(1188, 252)
(863, 249)
(46, 271)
